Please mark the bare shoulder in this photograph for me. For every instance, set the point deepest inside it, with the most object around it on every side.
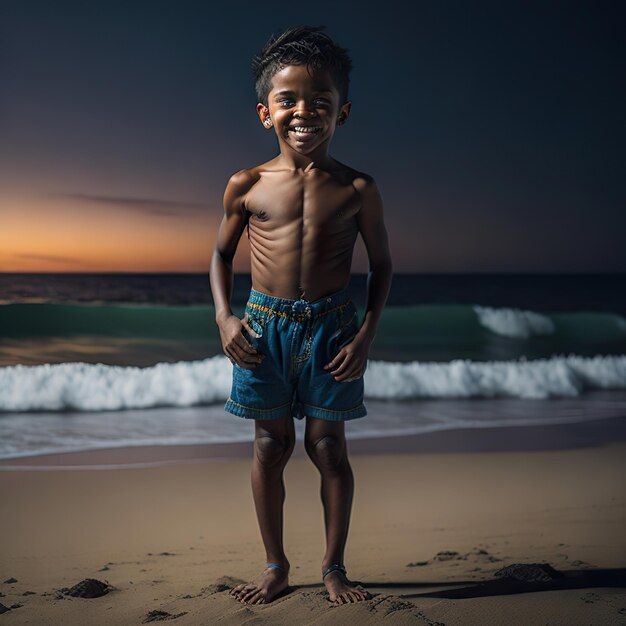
(237, 187)
(359, 180)
(242, 180)
(366, 188)
(363, 182)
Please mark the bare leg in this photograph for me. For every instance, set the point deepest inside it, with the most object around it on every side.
(273, 445)
(325, 444)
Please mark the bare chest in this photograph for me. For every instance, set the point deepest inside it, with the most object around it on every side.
(314, 199)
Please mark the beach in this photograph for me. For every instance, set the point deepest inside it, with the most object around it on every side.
(170, 529)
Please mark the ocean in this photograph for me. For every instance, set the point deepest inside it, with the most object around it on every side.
(107, 360)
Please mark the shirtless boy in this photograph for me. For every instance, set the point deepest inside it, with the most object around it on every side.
(299, 350)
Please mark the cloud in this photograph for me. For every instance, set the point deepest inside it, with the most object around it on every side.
(151, 206)
(51, 258)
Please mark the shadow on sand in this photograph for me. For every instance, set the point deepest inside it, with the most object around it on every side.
(571, 579)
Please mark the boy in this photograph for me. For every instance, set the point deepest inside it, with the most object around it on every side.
(297, 356)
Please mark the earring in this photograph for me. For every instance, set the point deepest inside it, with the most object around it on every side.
(267, 121)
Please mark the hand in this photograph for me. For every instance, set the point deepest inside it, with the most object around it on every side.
(350, 362)
(235, 345)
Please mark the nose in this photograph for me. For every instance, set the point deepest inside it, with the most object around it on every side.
(304, 112)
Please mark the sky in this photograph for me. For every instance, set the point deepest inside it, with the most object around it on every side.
(494, 130)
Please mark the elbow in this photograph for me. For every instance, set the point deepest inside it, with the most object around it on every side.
(220, 257)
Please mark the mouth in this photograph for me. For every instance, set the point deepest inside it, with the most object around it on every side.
(304, 130)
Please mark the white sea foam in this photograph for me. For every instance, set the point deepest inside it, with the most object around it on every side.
(513, 322)
(460, 378)
(97, 387)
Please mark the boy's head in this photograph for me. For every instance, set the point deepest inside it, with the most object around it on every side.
(302, 45)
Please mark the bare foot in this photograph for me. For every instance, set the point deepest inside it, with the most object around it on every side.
(263, 588)
(342, 591)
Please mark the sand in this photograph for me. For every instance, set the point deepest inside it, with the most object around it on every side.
(429, 530)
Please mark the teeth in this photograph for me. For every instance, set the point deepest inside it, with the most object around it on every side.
(305, 129)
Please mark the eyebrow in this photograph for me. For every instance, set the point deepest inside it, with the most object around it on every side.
(288, 92)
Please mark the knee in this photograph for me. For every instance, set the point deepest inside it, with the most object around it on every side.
(271, 450)
(327, 452)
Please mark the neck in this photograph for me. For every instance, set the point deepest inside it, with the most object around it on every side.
(293, 160)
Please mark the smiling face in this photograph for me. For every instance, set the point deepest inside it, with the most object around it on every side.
(304, 109)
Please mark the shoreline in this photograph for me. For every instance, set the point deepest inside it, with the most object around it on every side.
(518, 438)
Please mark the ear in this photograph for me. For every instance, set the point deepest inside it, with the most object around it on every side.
(263, 112)
(344, 113)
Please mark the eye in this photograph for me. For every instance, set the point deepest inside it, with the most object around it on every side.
(285, 102)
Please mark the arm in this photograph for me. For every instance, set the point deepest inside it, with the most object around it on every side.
(351, 361)
(234, 344)
(372, 228)
(228, 236)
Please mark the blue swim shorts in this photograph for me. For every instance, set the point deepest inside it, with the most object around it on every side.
(298, 338)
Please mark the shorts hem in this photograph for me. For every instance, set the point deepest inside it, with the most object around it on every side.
(284, 410)
(332, 415)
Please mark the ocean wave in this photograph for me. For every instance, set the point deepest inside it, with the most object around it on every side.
(97, 387)
(513, 322)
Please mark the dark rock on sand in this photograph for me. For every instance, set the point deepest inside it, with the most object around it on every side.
(17, 605)
(446, 555)
(417, 563)
(529, 572)
(4, 609)
(221, 584)
(87, 588)
(449, 555)
(29, 593)
(161, 616)
(11, 580)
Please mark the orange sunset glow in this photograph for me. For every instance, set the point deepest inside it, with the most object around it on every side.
(43, 234)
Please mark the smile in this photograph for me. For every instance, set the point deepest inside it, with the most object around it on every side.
(305, 129)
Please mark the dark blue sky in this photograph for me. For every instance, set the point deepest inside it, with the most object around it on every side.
(494, 129)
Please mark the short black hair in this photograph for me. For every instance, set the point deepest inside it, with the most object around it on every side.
(301, 45)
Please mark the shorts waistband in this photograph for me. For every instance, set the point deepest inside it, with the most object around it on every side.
(300, 308)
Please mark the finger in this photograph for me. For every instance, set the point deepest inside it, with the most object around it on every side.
(352, 375)
(249, 328)
(252, 355)
(241, 360)
(342, 368)
(348, 373)
(243, 343)
(337, 362)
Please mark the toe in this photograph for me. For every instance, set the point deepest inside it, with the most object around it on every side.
(255, 597)
(247, 596)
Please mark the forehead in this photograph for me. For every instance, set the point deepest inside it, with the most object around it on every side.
(297, 78)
